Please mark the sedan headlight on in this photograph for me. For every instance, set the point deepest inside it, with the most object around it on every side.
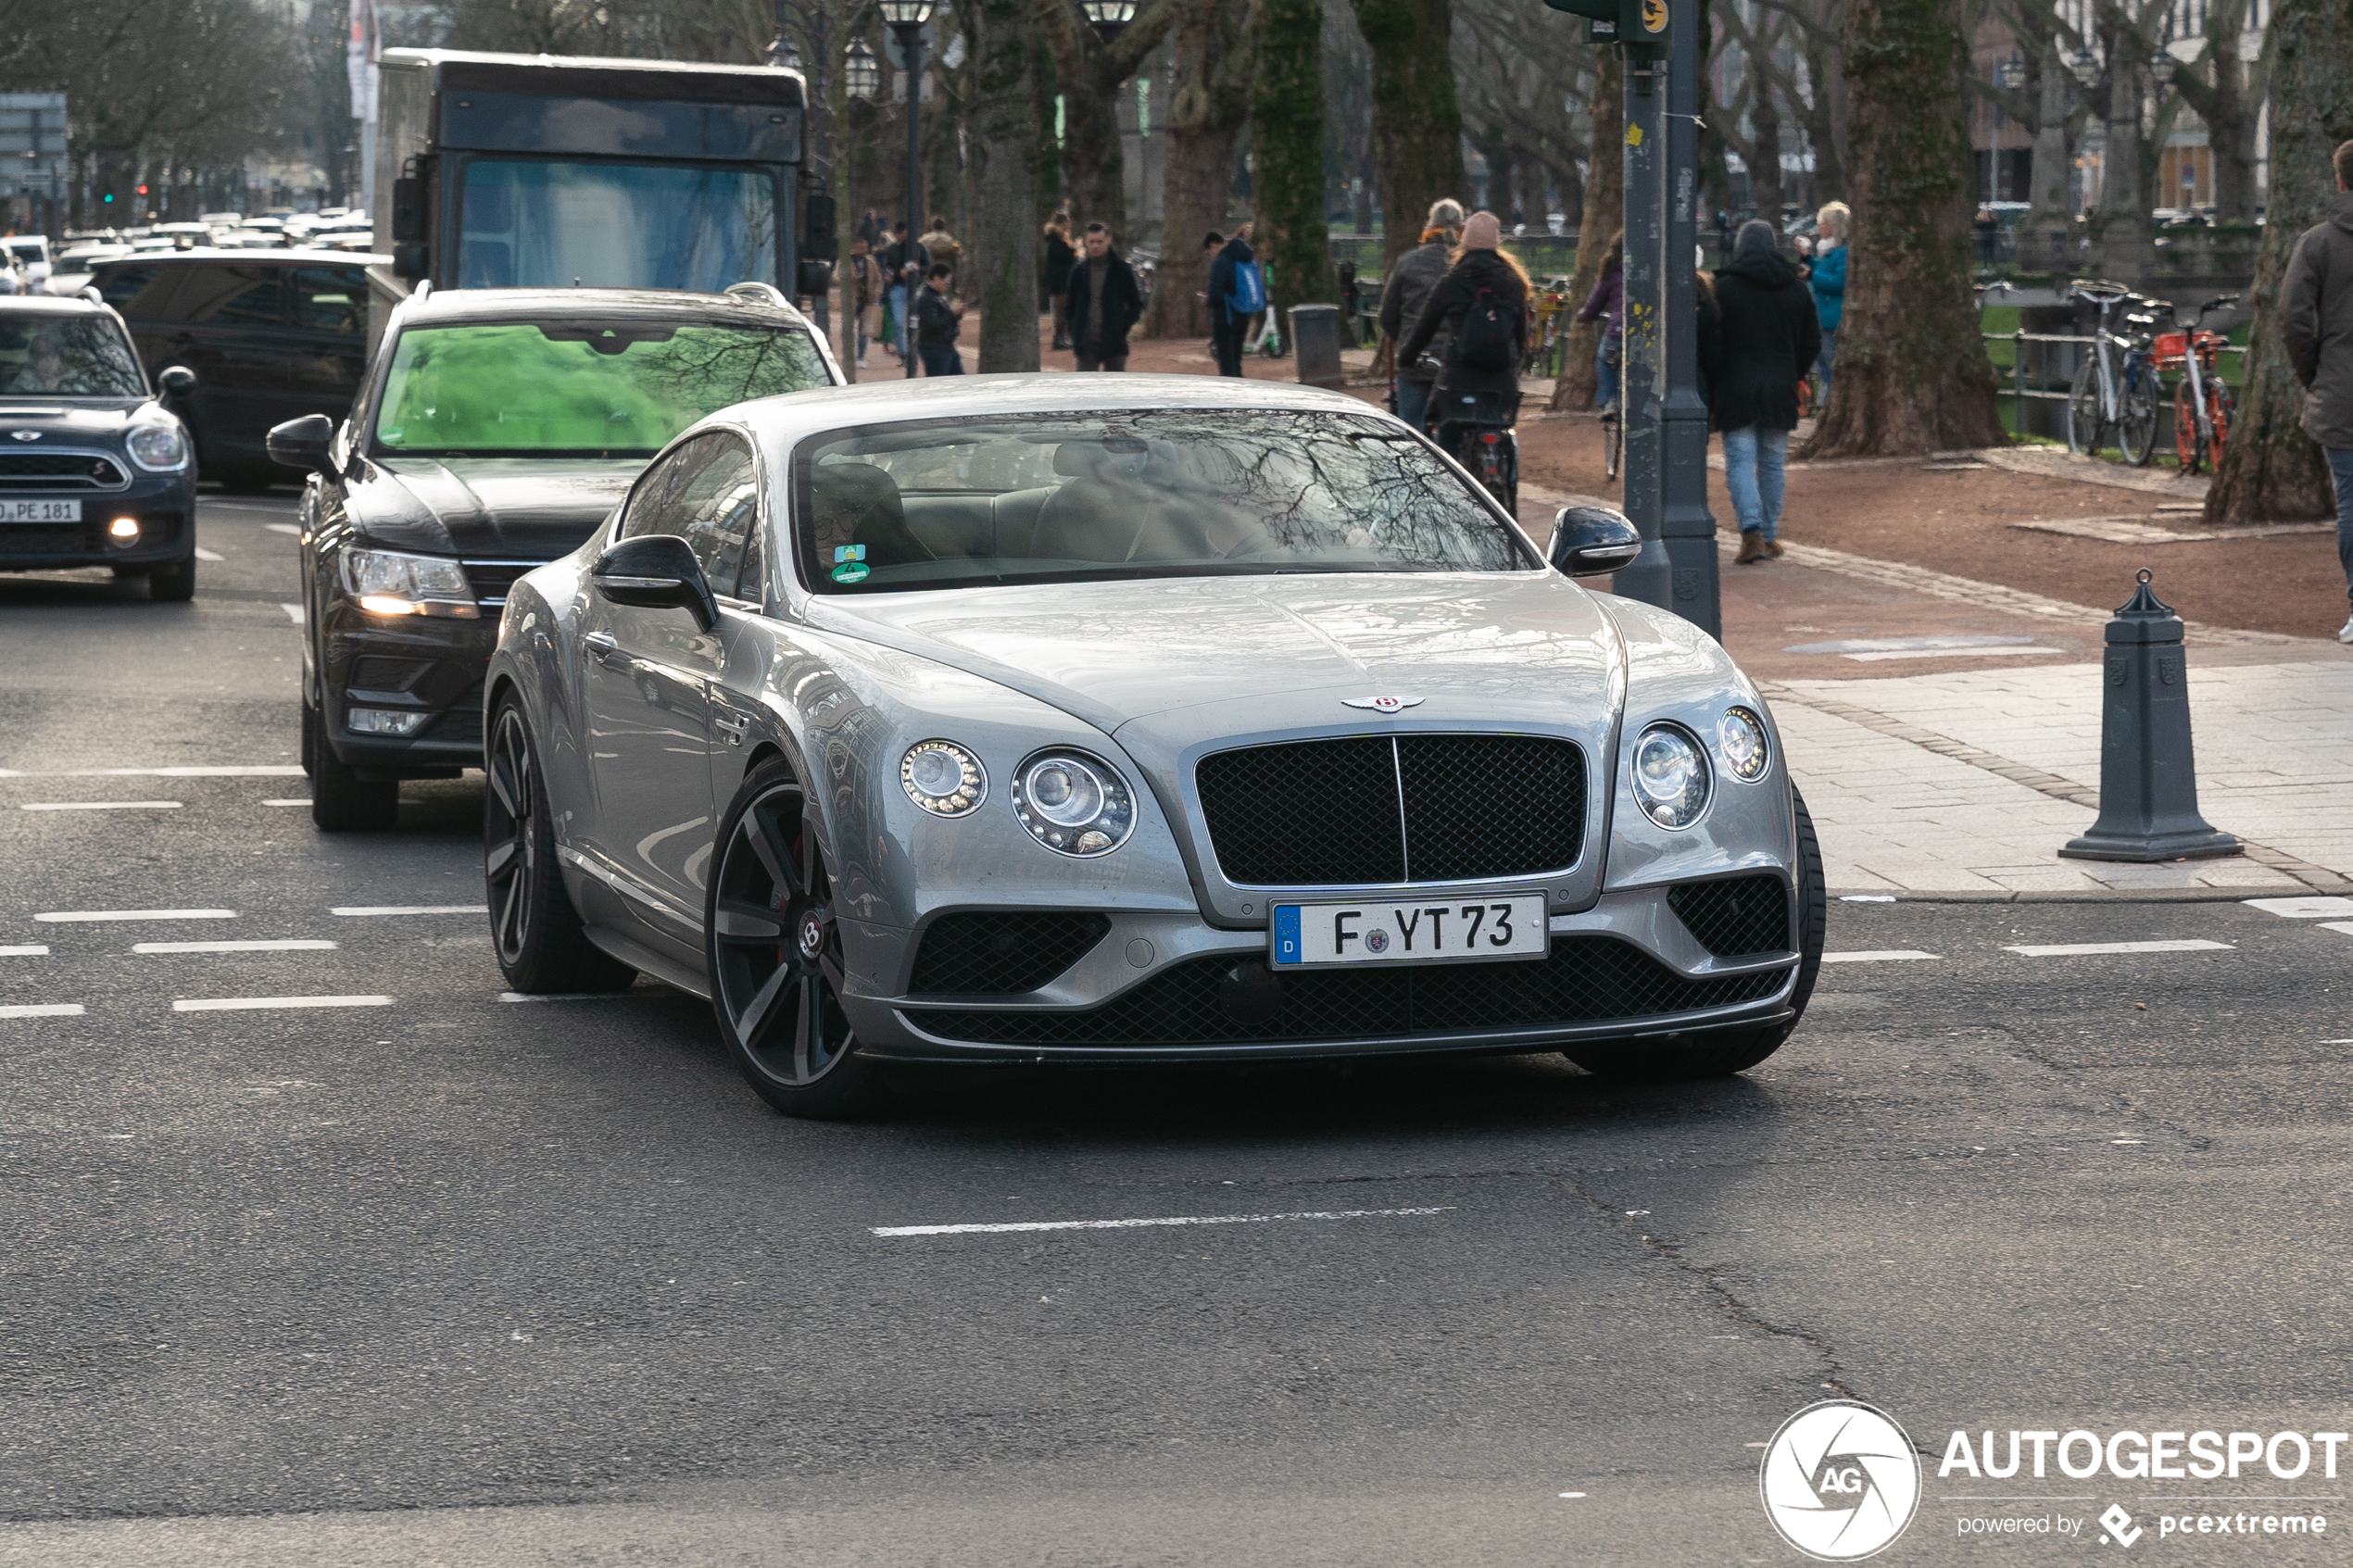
(1740, 740)
(157, 446)
(943, 778)
(1074, 804)
(392, 582)
(1670, 776)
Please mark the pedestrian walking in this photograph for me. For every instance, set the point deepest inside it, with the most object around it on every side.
(939, 320)
(1607, 305)
(1826, 276)
(1766, 338)
(1104, 302)
(2315, 320)
(866, 288)
(904, 265)
(1233, 281)
(1060, 254)
(943, 245)
(1480, 306)
(1403, 293)
(872, 231)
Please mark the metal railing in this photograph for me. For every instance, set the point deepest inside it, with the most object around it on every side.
(2074, 344)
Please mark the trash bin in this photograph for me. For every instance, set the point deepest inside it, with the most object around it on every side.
(1315, 335)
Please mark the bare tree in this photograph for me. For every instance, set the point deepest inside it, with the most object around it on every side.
(1210, 59)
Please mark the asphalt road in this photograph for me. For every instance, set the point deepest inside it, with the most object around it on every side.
(439, 1278)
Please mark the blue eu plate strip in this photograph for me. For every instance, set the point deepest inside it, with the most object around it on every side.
(1286, 934)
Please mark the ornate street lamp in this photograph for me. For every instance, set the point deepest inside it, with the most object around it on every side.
(783, 54)
(906, 19)
(861, 78)
(2012, 73)
(1108, 17)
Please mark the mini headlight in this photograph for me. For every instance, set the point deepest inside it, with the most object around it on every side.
(392, 582)
(1740, 740)
(157, 446)
(1074, 804)
(943, 778)
(1671, 777)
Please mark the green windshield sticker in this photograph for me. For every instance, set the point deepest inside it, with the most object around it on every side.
(851, 571)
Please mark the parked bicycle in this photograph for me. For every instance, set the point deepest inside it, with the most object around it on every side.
(2116, 384)
(2202, 403)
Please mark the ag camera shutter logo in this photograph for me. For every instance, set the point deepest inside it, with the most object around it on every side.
(1839, 1481)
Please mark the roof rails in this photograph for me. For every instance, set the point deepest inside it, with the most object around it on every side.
(90, 291)
(766, 293)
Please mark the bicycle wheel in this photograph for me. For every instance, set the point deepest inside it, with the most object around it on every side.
(2083, 420)
(2136, 431)
(2189, 441)
(2221, 409)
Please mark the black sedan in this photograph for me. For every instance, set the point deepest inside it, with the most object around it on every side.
(94, 470)
(495, 429)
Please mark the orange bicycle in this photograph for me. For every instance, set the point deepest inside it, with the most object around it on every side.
(2202, 405)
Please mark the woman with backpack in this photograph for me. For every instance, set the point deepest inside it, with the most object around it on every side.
(1482, 305)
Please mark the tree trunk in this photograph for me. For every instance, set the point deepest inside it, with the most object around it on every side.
(2230, 121)
(1417, 126)
(1765, 170)
(1604, 215)
(1287, 127)
(1825, 121)
(1206, 107)
(1091, 75)
(1912, 373)
(2047, 234)
(2272, 471)
(1001, 258)
(2120, 238)
(1572, 188)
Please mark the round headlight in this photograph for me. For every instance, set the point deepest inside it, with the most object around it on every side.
(1740, 740)
(1074, 804)
(1671, 777)
(157, 446)
(943, 778)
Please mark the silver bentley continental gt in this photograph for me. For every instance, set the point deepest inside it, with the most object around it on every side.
(1118, 719)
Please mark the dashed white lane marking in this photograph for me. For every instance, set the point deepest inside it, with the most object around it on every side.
(42, 1009)
(283, 528)
(270, 770)
(294, 612)
(1867, 898)
(2086, 949)
(78, 915)
(1884, 955)
(2302, 908)
(203, 553)
(99, 806)
(304, 801)
(2344, 925)
(290, 944)
(563, 996)
(1139, 1224)
(29, 951)
(248, 1004)
(412, 909)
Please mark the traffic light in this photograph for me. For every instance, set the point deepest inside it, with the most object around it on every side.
(1639, 22)
(109, 197)
(143, 190)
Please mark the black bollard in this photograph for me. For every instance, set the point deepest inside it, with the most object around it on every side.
(2148, 778)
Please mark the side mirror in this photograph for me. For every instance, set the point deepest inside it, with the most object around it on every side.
(176, 381)
(302, 444)
(1590, 541)
(656, 571)
(410, 260)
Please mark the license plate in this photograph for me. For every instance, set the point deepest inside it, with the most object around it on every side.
(1424, 930)
(40, 511)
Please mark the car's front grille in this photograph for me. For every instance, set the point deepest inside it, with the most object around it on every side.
(1221, 1001)
(1748, 914)
(491, 579)
(1001, 952)
(1383, 809)
(60, 471)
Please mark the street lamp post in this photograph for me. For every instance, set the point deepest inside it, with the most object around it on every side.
(906, 18)
(1108, 17)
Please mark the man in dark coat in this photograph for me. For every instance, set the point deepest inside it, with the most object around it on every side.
(1483, 280)
(1228, 327)
(1104, 302)
(905, 266)
(2316, 326)
(1766, 339)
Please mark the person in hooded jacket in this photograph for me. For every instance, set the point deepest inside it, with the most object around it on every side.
(1766, 338)
(1401, 298)
(1054, 276)
(1482, 279)
(2316, 328)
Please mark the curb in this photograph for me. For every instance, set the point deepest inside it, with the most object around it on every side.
(2085, 896)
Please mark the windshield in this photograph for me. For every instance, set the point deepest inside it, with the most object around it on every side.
(519, 389)
(1168, 494)
(639, 226)
(67, 357)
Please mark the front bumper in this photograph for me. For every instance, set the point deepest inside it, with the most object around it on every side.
(1170, 988)
(165, 507)
(419, 665)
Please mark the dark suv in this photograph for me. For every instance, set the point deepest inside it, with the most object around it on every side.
(94, 470)
(271, 336)
(497, 427)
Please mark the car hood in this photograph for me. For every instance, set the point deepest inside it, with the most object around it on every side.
(524, 508)
(1165, 665)
(63, 419)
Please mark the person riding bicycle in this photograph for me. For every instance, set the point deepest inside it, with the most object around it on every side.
(1482, 305)
(1607, 305)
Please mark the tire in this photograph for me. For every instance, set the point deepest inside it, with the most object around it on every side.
(309, 740)
(2083, 420)
(777, 970)
(2189, 441)
(341, 801)
(1721, 1055)
(2136, 431)
(174, 585)
(534, 928)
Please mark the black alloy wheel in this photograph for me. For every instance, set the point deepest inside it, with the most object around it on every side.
(1721, 1055)
(774, 949)
(534, 927)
